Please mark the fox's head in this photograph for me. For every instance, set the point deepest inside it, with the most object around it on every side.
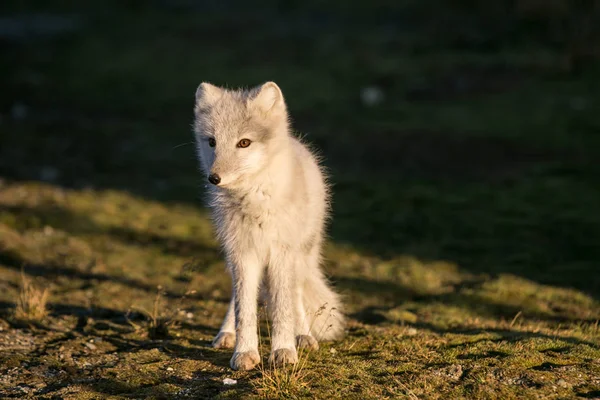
(236, 130)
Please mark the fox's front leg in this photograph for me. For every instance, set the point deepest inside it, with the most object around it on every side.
(225, 339)
(247, 273)
(281, 278)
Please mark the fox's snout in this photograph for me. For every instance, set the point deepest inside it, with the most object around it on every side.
(215, 179)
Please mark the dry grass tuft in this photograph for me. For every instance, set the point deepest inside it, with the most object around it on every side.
(286, 382)
(32, 301)
(289, 382)
(283, 383)
(159, 324)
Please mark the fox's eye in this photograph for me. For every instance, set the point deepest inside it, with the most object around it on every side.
(212, 142)
(244, 143)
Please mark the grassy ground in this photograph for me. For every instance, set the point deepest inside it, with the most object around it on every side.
(466, 223)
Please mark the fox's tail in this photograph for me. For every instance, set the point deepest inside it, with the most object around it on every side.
(323, 308)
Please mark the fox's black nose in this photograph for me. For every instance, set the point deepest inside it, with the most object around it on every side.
(214, 179)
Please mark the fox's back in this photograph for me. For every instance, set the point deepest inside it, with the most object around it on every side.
(317, 195)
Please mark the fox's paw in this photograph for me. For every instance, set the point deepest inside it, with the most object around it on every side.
(244, 361)
(224, 340)
(307, 342)
(281, 357)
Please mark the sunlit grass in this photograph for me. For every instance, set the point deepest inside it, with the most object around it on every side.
(32, 302)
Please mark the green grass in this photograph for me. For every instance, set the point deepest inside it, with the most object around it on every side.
(465, 227)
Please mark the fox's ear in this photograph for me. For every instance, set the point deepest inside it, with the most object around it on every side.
(207, 95)
(268, 97)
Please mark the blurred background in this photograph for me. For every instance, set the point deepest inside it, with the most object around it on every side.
(462, 138)
(458, 129)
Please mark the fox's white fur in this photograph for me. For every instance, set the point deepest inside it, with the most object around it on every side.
(269, 209)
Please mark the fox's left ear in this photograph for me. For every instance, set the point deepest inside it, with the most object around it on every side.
(268, 98)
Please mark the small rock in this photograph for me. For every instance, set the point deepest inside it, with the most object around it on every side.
(189, 315)
(24, 388)
(90, 346)
(562, 383)
(411, 332)
(185, 392)
(453, 372)
(332, 350)
(229, 381)
(169, 368)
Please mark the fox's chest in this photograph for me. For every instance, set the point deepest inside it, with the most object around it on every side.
(252, 209)
(253, 219)
(257, 222)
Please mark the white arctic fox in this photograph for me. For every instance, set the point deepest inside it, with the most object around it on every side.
(269, 204)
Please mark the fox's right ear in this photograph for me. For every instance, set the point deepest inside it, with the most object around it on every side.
(207, 95)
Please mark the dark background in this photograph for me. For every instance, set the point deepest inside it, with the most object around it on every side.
(481, 146)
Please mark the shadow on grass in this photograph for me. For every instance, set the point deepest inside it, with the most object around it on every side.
(386, 291)
(204, 385)
(395, 294)
(11, 261)
(506, 335)
(62, 219)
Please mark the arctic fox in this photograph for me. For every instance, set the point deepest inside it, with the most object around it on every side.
(269, 203)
